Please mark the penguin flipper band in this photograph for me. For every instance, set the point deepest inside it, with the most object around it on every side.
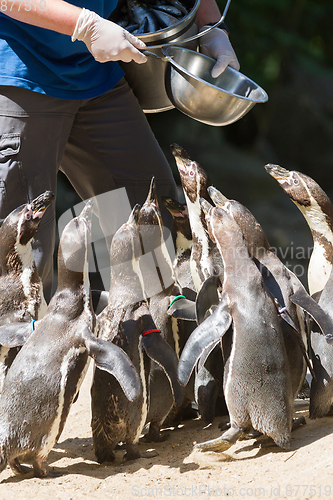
(14, 334)
(183, 309)
(114, 360)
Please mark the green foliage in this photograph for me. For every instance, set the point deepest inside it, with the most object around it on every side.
(269, 36)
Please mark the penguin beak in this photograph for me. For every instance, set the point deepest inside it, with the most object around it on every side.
(279, 173)
(134, 217)
(179, 153)
(87, 211)
(175, 208)
(152, 198)
(40, 204)
(205, 205)
(218, 198)
(182, 158)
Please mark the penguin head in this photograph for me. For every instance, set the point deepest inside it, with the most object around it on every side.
(156, 266)
(20, 226)
(222, 227)
(125, 245)
(251, 229)
(179, 212)
(150, 222)
(193, 177)
(307, 195)
(125, 252)
(176, 209)
(74, 247)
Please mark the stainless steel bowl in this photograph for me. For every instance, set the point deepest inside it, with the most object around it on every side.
(214, 101)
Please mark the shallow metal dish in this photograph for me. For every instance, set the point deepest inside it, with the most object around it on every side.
(214, 101)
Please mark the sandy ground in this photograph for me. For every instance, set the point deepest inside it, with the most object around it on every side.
(247, 470)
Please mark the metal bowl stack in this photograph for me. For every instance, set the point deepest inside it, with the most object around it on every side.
(147, 80)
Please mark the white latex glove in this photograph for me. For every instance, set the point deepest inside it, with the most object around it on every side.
(216, 44)
(106, 40)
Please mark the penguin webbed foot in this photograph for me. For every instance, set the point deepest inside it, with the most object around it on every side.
(297, 422)
(221, 443)
(18, 468)
(105, 458)
(154, 435)
(40, 468)
(132, 452)
(223, 426)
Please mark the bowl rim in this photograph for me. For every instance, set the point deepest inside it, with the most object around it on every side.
(198, 54)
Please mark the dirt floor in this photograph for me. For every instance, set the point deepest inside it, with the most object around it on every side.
(247, 470)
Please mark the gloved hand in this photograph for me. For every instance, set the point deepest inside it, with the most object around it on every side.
(106, 40)
(216, 44)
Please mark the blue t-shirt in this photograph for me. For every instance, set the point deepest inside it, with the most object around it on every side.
(50, 63)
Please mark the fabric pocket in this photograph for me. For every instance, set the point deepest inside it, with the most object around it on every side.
(12, 187)
(9, 145)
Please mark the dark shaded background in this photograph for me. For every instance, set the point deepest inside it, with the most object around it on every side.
(287, 48)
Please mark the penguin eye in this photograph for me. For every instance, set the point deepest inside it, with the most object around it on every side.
(296, 181)
(27, 215)
(191, 172)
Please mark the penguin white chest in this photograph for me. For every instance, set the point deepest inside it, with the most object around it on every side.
(50, 439)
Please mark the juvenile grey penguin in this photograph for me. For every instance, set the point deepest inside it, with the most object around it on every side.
(127, 322)
(317, 209)
(257, 380)
(21, 289)
(46, 375)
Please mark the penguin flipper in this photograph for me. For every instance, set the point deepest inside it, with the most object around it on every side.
(206, 352)
(100, 299)
(207, 334)
(183, 309)
(207, 297)
(15, 334)
(114, 360)
(323, 320)
(160, 351)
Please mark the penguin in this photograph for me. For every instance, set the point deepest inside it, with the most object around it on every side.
(183, 243)
(46, 375)
(321, 349)
(21, 289)
(126, 321)
(257, 380)
(205, 261)
(321, 389)
(317, 209)
(162, 291)
(279, 280)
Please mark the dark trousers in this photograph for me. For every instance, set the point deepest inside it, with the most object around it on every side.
(101, 144)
